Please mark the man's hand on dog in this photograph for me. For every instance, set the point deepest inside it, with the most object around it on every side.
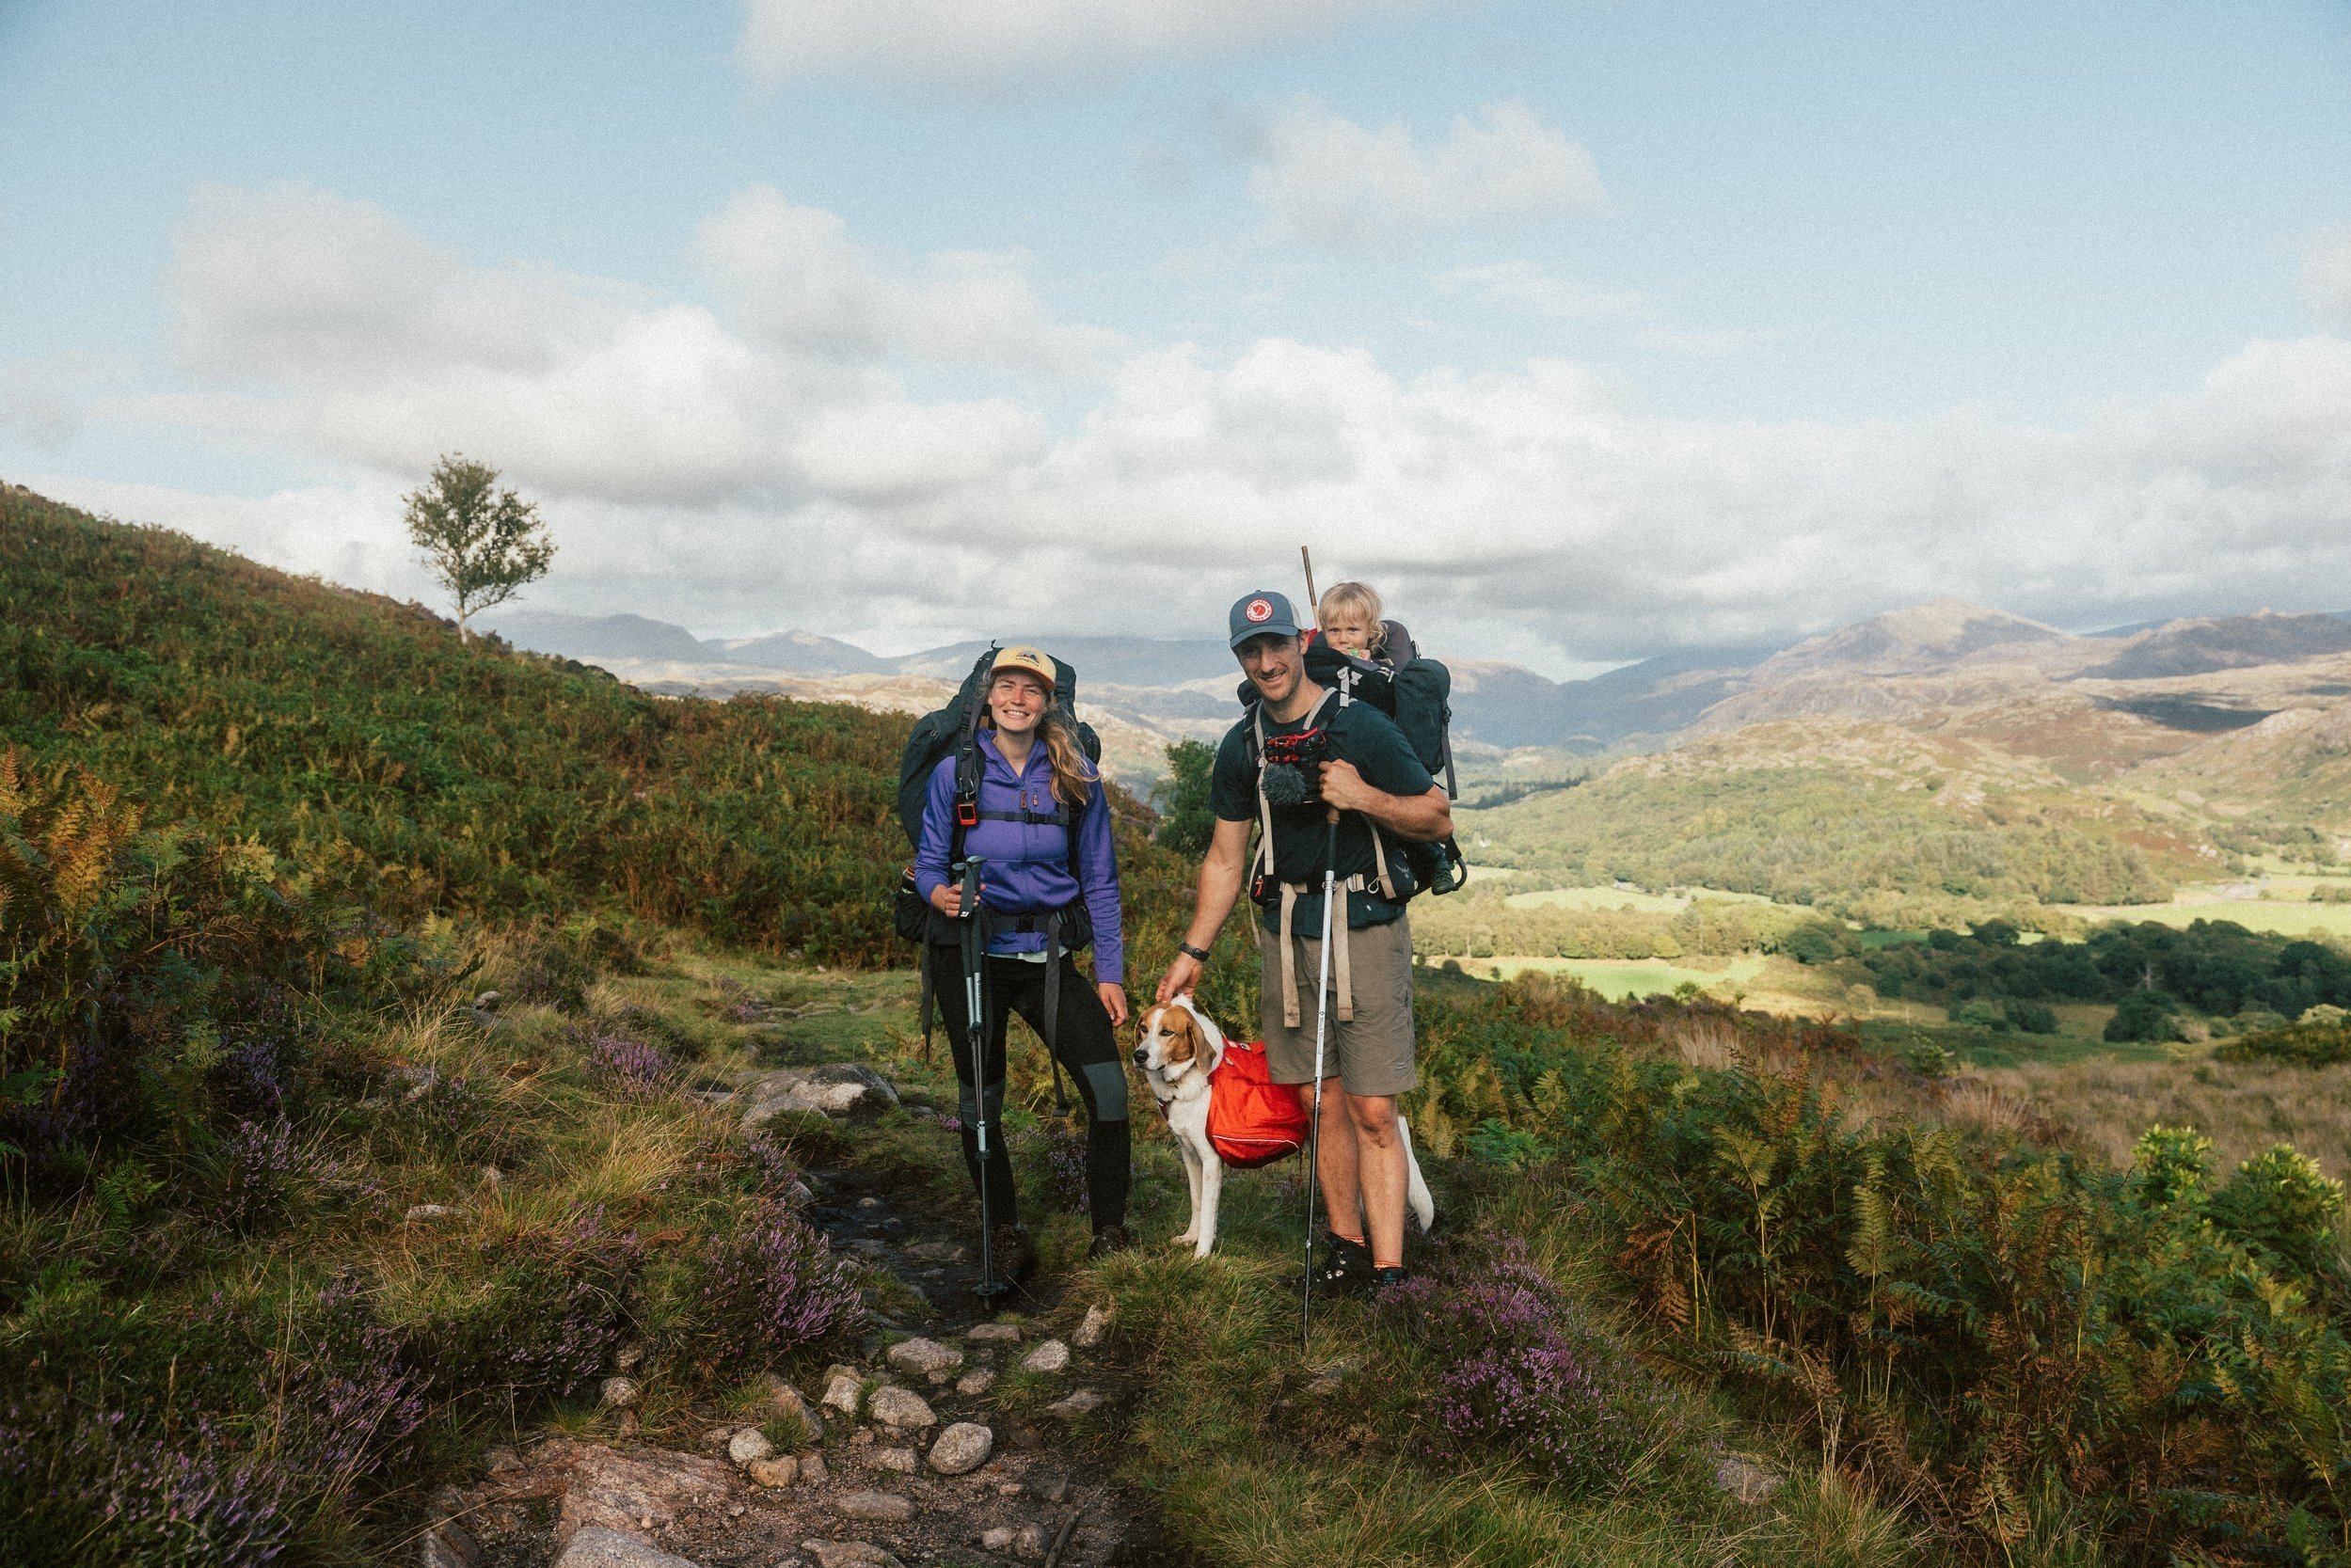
(1180, 977)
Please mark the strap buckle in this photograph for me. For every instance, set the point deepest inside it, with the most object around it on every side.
(967, 813)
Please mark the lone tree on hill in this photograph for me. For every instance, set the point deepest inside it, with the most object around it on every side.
(483, 544)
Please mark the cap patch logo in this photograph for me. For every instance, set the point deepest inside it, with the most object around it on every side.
(1258, 610)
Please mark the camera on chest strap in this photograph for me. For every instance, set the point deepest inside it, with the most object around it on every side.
(1293, 767)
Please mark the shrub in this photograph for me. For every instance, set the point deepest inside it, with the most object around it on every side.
(153, 981)
(262, 1166)
(2143, 1014)
(100, 1490)
(2173, 1165)
(771, 1287)
(541, 1316)
(2307, 1043)
(1185, 822)
(1981, 1015)
(2284, 1208)
(2031, 1018)
(628, 1066)
(1520, 1375)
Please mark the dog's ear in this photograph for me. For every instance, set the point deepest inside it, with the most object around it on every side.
(1183, 1036)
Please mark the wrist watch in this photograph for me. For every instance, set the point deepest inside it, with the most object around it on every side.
(1191, 952)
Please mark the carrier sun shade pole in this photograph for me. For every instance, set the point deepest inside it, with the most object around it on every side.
(975, 947)
(1321, 1022)
(1314, 605)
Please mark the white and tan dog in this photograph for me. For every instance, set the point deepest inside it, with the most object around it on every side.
(1179, 1047)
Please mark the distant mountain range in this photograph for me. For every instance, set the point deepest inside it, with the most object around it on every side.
(2184, 678)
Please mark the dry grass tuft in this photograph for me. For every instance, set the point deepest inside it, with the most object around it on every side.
(2244, 1107)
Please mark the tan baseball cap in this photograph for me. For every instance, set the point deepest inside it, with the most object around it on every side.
(1029, 659)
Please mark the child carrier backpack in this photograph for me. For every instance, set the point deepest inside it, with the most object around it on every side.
(1414, 692)
(1251, 1119)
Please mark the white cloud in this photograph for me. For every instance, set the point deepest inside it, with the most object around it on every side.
(802, 282)
(1323, 179)
(740, 482)
(379, 348)
(988, 43)
(1529, 286)
(2327, 272)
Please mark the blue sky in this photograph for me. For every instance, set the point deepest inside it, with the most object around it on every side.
(1587, 330)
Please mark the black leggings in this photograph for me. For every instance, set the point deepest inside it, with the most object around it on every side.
(1086, 1045)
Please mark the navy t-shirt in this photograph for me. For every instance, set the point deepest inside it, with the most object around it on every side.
(1359, 734)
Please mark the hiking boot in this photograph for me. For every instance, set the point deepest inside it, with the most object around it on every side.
(1109, 1239)
(1385, 1280)
(1013, 1262)
(1341, 1268)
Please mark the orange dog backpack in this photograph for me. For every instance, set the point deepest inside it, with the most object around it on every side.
(1251, 1119)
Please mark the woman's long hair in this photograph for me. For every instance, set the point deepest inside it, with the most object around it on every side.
(1073, 777)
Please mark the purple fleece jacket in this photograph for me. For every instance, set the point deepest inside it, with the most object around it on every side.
(1028, 865)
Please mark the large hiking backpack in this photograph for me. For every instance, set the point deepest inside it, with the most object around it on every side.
(1417, 693)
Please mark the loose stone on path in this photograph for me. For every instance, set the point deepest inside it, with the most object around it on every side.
(886, 1507)
(925, 1358)
(1051, 1356)
(901, 1408)
(962, 1448)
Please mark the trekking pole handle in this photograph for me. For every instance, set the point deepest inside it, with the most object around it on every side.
(971, 886)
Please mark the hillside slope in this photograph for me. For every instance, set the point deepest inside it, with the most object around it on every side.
(357, 736)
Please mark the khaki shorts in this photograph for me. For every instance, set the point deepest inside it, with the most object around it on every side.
(1370, 1054)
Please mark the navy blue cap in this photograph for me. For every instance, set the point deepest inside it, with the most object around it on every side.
(1264, 613)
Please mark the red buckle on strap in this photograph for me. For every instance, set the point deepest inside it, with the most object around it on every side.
(967, 814)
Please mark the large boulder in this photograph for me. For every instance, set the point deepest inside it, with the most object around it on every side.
(638, 1492)
(846, 1090)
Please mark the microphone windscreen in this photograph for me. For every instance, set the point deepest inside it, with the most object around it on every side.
(1284, 784)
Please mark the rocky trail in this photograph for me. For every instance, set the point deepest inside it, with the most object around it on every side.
(906, 1458)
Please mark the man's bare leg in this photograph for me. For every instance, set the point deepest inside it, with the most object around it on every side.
(1335, 1165)
(1378, 1174)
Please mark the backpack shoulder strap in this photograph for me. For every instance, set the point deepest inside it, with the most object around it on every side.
(968, 762)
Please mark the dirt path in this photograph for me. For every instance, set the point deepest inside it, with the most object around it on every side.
(1047, 1493)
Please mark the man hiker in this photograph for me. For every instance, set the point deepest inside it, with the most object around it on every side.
(1351, 758)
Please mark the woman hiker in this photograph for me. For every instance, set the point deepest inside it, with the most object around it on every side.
(1043, 832)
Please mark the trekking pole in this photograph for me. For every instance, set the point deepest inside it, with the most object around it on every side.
(975, 945)
(1314, 1127)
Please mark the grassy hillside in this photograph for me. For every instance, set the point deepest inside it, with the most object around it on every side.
(1886, 831)
(292, 1226)
(356, 736)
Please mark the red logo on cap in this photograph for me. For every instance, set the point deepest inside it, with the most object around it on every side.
(1258, 610)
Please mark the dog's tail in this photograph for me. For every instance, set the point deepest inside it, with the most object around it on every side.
(1416, 1191)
